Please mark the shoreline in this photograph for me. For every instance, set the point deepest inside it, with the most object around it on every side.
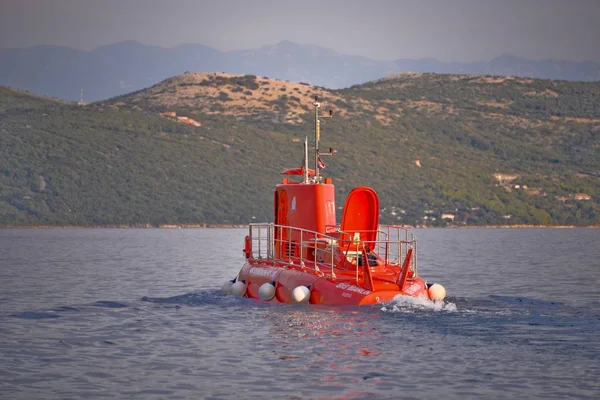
(134, 226)
(245, 226)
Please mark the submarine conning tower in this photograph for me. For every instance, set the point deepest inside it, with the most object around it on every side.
(309, 204)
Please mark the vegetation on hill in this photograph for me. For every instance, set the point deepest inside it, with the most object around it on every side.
(439, 149)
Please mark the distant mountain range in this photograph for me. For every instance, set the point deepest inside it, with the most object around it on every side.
(125, 67)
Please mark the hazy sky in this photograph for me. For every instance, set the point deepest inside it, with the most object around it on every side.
(460, 30)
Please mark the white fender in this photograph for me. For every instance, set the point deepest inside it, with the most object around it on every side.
(437, 292)
(226, 288)
(266, 291)
(300, 294)
(238, 288)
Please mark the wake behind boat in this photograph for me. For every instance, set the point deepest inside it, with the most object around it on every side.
(304, 256)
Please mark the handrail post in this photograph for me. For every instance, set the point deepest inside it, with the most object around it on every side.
(270, 241)
(367, 270)
(416, 258)
(250, 236)
(289, 239)
(301, 242)
(259, 242)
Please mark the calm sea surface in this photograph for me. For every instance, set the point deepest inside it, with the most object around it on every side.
(138, 314)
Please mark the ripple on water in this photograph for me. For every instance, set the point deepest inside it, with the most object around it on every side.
(406, 304)
(140, 316)
(35, 315)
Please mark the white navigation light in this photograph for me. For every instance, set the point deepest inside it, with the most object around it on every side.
(301, 294)
(266, 291)
(238, 288)
(437, 292)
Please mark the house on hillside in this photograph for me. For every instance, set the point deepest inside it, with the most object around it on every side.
(504, 178)
(448, 217)
(183, 120)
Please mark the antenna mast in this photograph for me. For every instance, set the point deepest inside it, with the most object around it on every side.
(317, 105)
(305, 180)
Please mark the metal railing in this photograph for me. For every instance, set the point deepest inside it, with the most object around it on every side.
(324, 253)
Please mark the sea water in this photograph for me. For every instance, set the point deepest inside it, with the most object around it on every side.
(138, 314)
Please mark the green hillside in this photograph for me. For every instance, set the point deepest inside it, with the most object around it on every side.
(429, 144)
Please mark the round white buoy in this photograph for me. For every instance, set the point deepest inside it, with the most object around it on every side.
(266, 291)
(238, 288)
(300, 294)
(437, 292)
(226, 288)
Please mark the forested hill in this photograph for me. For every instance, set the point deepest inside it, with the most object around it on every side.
(209, 148)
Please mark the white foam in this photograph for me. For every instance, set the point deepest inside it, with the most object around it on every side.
(410, 304)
